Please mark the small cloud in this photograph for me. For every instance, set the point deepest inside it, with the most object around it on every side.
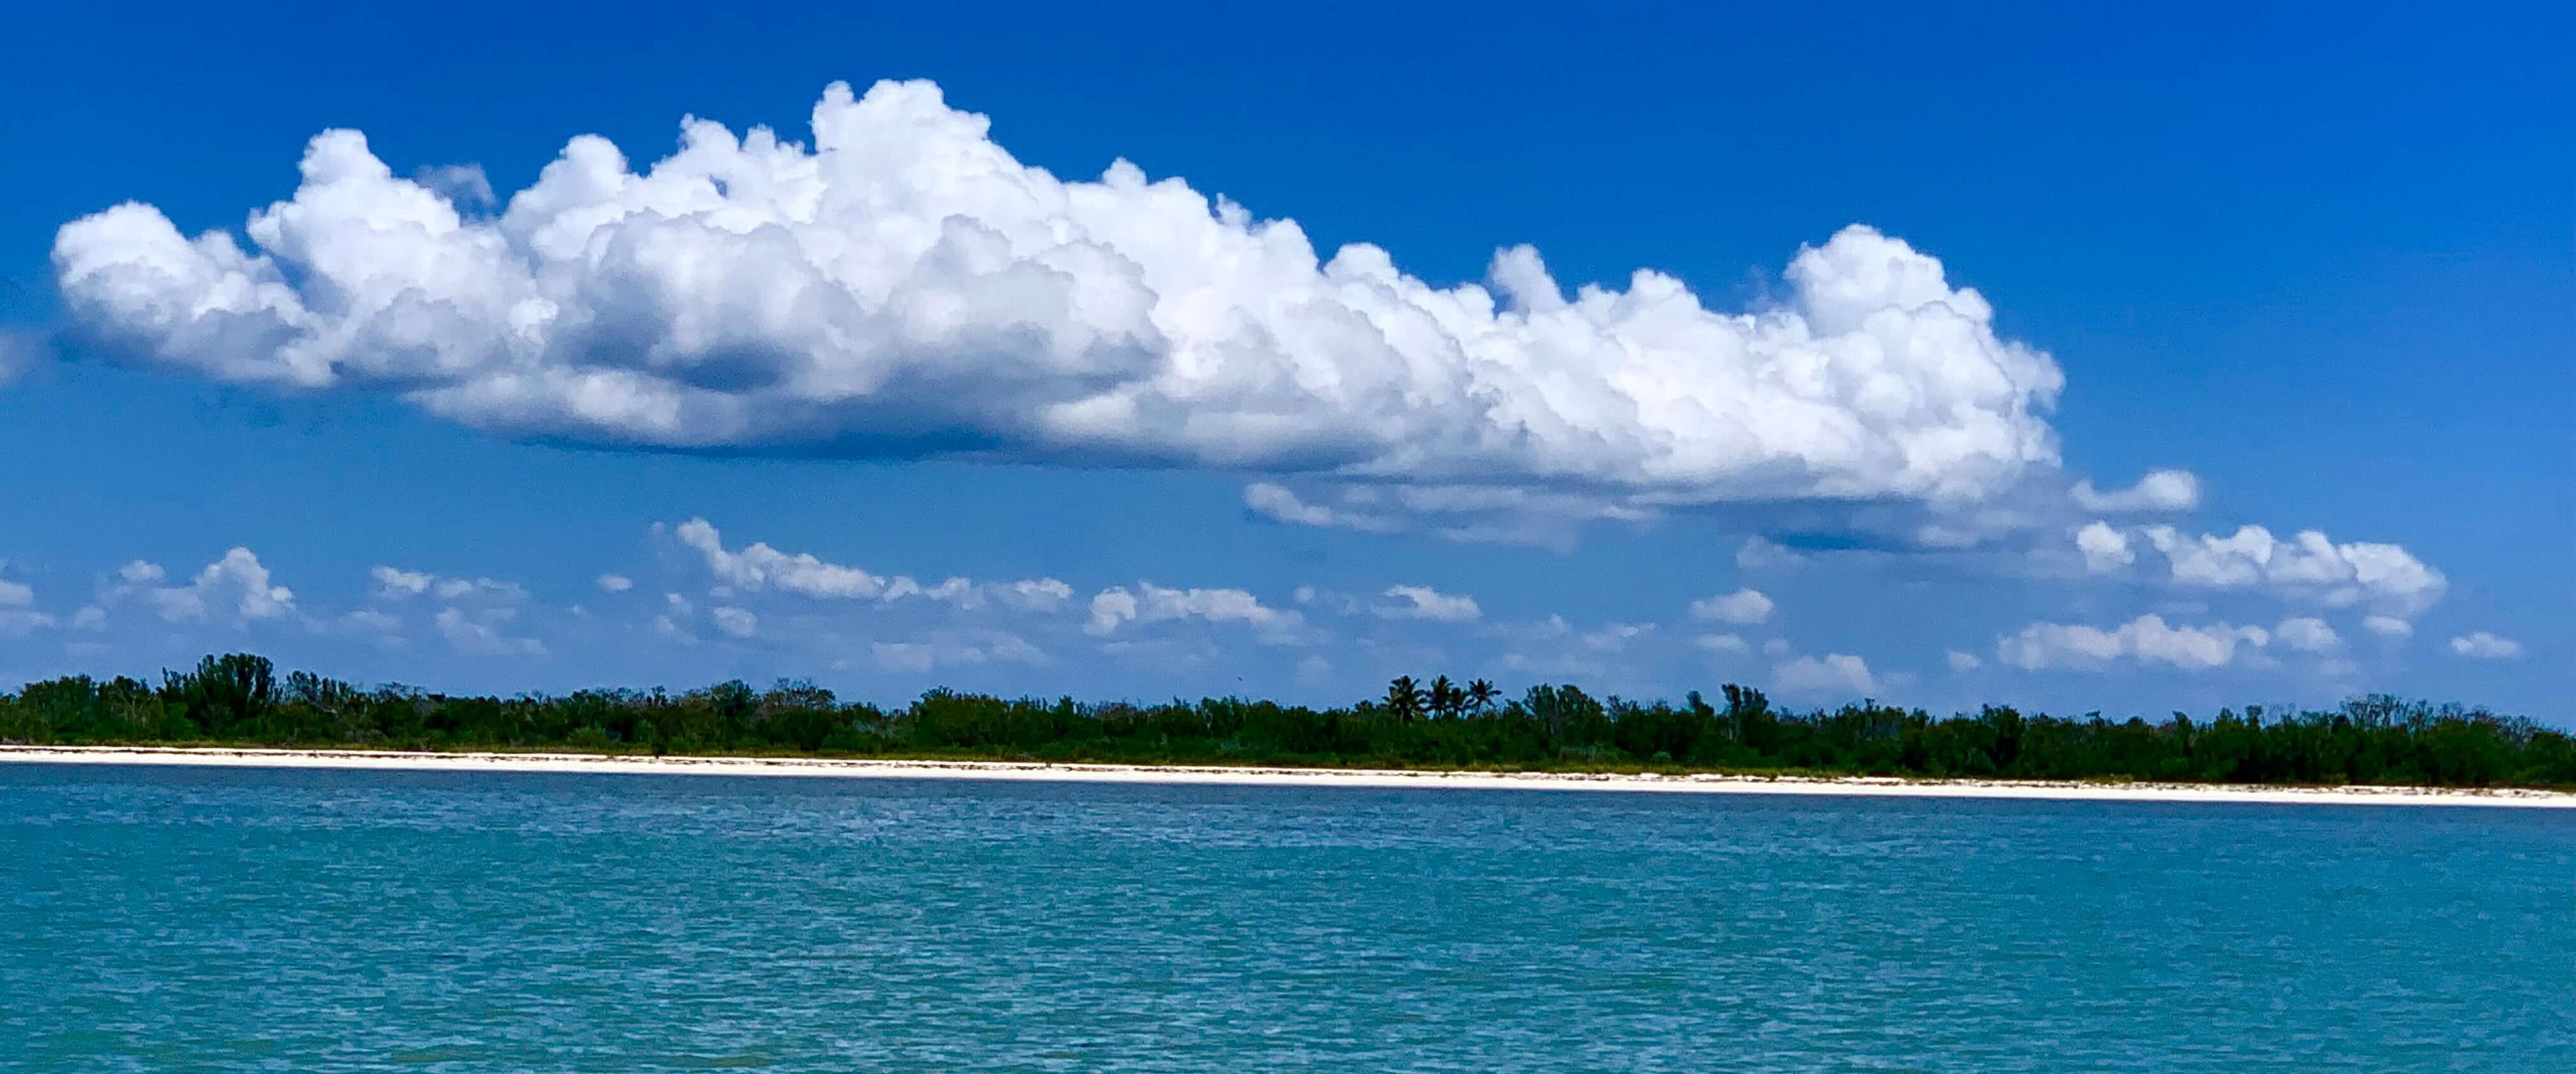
(2146, 639)
(2388, 626)
(365, 621)
(2105, 549)
(956, 649)
(1424, 602)
(1962, 663)
(395, 584)
(1616, 636)
(1758, 554)
(2484, 646)
(615, 583)
(1722, 644)
(480, 589)
(1742, 607)
(735, 621)
(475, 636)
(19, 624)
(1277, 503)
(1834, 673)
(1151, 603)
(757, 567)
(2158, 491)
(238, 579)
(1110, 607)
(1035, 594)
(2307, 634)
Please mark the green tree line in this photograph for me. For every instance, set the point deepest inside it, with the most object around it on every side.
(241, 700)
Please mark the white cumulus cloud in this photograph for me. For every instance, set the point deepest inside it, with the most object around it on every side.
(2383, 576)
(2159, 491)
(2485, 646)
(2307, 634)
(1742, 607)
(2105, 549)
(1723, 644)
(2388, 626)
(1615, 637)
(237, 582)
(2146, 639)
(906, 287)
(1424, 602)
(739, 622)
(1758, 553)
(1831, 674)
(1150, 603)
(615, 583)
(1962, 662)
(396, 584)
(758, 567)
(1280, 504)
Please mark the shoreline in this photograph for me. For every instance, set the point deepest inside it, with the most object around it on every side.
(1045, 772)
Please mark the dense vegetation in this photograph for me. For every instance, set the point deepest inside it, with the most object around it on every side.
(240, 699)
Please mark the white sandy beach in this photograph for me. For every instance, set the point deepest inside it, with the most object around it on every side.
(1175, 774)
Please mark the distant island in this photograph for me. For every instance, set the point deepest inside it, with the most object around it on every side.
(239, 700)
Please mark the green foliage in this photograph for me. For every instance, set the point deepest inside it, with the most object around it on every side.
(2376, 739)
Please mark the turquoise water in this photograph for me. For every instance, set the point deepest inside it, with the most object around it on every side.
(208, 919)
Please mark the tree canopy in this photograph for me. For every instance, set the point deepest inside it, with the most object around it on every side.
(239, 699)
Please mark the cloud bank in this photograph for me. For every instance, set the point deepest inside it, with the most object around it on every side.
(757, 567)
(905, 287)
(2310, 565)
(2149, 639)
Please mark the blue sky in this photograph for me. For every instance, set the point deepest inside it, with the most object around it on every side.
(2322, 269)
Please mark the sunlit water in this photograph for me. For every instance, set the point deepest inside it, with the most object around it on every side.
(206, 919)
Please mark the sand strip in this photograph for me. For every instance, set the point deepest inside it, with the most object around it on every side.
(1300, 777)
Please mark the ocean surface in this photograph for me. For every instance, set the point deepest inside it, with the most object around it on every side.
(238, 919)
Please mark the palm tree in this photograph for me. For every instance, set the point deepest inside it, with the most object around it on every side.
(1445, 699)
(1481, 695)
(1404, 698)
